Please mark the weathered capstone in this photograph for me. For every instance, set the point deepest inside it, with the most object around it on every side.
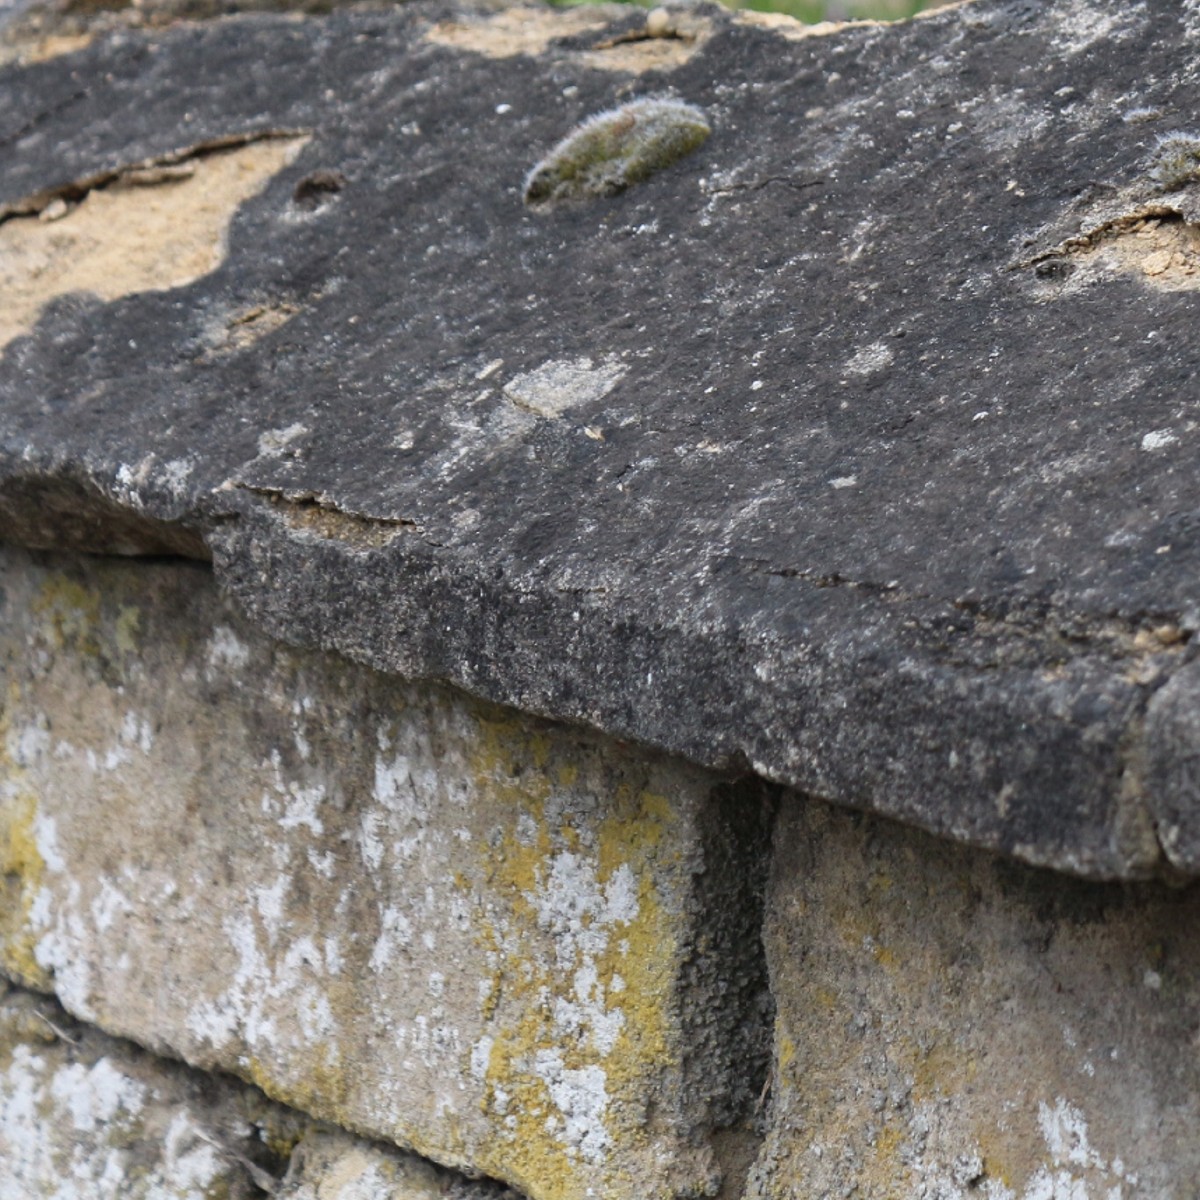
(882, 484)
(514, 948)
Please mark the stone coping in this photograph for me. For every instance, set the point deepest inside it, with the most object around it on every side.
(853, 448)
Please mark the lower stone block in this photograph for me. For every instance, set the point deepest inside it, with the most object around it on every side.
(513, 947)
(87, 1117)
(951, 1025)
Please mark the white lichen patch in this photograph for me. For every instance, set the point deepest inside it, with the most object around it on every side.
(582, 916)
(563, 384)
(581, 1098)
(1159, 439)
(1075, 1170)
(1080, 25)
(1190, 10)
(277, 999)
(226, 651)
(870, 359)
(65, 1128)
(274, 442)
(1066, 1133)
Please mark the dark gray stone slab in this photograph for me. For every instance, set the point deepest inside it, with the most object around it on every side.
(820, 452)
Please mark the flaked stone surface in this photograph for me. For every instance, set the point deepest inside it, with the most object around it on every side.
(515, 948)
(891, 495)
(954, 1026)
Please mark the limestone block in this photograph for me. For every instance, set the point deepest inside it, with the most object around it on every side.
(512, 946)
(951, 1025)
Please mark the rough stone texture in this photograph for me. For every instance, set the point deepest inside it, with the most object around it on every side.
(875, 466)
(334, 1166)
(951, 1025)
(854, 448)
(513, 947)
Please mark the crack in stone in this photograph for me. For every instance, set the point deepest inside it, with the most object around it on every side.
(757, 185)
(44, 115)
(314, 512)
(167, 168)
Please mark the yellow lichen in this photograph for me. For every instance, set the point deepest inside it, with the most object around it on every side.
(125, 631)
(887, 1144)
(884, 956)
(21, 863)
(21, 868)
(994, 1155)
(785, 1053)
(633, 971)
(71, 612)
(938, 1070)
(321, 1089)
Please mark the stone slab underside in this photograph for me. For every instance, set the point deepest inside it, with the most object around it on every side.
(857, 446)
(514, 948)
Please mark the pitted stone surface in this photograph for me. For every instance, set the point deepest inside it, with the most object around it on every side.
(515, 948)
(888, 490)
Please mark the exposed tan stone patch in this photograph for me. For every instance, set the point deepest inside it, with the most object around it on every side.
(646, 54)
(155, 227)
(43, 49)
(668, 39)
(520, 30)
(321, 517)
(795, 30)
(1154, 243)
(1165, 253)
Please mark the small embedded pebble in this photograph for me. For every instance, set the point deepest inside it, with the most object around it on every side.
(54, 211)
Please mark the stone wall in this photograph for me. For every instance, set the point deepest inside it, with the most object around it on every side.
(952, 1025)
